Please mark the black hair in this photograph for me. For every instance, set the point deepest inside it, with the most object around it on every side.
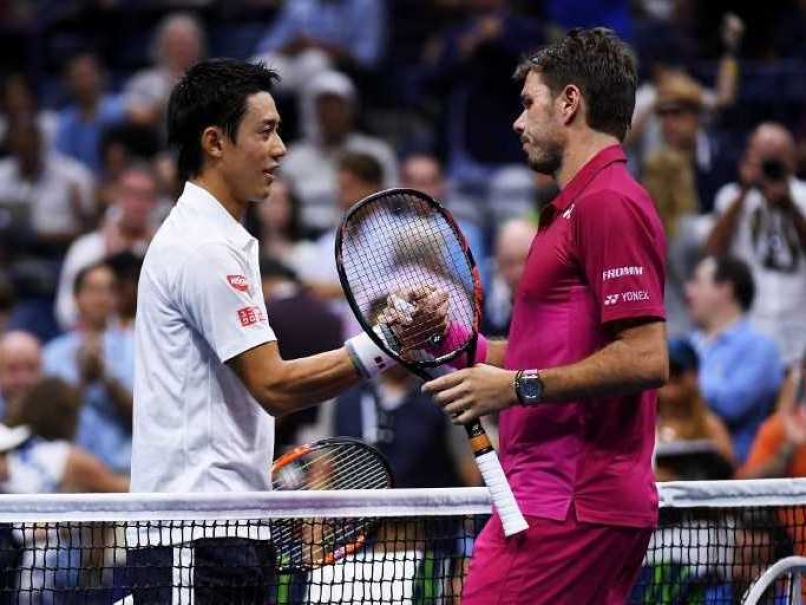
(366, 167)
(737, 273)
(601, 65)
(212, 93)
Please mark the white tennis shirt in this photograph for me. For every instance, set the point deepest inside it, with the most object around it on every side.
(200, 303)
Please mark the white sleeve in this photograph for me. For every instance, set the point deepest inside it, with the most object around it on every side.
(51, 457)
(222, 298)
(724, 197)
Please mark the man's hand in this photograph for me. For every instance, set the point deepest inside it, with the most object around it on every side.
(416, 316)
(777, 193)
(90, 360)
(468, 394)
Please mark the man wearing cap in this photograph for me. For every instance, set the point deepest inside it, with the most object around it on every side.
(680, 108)
(328, 107)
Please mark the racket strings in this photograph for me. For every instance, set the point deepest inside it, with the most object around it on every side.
(399, 243)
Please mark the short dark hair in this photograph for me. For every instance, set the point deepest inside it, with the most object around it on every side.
(737, 273)
(212, 93)
(363, 165)
(81, 276)
(601, 65)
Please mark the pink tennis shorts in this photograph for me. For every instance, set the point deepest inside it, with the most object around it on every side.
(555, 562)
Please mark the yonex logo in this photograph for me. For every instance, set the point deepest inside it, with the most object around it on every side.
(611, 299)
(238, 282)
(635, 295)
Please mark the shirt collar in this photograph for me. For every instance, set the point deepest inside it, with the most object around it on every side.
(585, 175)
(202, 203)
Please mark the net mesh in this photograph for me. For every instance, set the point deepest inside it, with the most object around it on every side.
(713, 541)
(400, 242)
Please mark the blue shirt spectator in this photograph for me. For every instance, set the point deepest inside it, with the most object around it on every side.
(740, 368)
(354, 27)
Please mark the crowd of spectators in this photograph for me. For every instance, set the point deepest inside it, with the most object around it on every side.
(374, 94)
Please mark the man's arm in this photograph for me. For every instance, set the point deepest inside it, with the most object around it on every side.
(496, 350)
(721, 237)
(635, 360)
(282, 387)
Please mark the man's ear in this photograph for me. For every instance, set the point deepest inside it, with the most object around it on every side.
(570, 100)
(212, 141)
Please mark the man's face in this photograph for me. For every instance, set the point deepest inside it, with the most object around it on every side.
(538, 126)
(335, 117)
(705, 297)
(510, 256)
(679, 126)
(20, 368)
(249, 162)
(424, 174)
(96, 300)
(352, 189)
(84, 78)
(136, 197)
(182, 47)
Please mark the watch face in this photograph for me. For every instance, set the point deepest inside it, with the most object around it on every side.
(531, 388)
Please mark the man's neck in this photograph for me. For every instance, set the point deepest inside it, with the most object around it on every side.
(216, 187)
(720, 324)
(579, 152)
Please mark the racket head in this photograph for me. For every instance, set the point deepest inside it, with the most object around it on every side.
(330, 464)
(400, 239)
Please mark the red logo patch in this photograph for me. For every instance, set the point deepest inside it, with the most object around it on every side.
(238, 282)
(250, 315)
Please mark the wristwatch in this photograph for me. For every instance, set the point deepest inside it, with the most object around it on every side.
(528, 387)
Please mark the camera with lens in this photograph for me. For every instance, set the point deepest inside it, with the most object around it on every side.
(773, 170)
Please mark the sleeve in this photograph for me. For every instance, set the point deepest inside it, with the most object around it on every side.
(220, 299)
(726, 195)
(622, 251)
(50, 458)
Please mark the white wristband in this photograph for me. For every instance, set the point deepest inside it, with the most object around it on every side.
(367, 357)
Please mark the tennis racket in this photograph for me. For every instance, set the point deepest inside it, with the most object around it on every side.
(401, 240)
(329, 464)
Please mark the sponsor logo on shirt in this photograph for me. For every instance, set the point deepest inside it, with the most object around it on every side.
(631, 296)
(568, 212)
(238, 282)
(621, 272)
(250, 315)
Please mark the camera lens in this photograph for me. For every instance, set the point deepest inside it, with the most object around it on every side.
(773, 169)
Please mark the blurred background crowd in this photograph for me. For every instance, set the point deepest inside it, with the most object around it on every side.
(379, 93)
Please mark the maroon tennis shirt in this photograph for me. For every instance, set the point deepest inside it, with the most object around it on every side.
(598, 256)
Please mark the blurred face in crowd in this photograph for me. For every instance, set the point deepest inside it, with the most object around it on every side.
(249, 162)
(680, 388)
(25, 144)
(423, 172)
(512, 247)
(335, 117)
(181, 45)
(539, 127)
(276, 212)
(352, 189)
(20, 364)
(136, 198)
(84, 79)
(770, 144)
(706, 298)
(679, 126)
(18, 98)
(96, 299)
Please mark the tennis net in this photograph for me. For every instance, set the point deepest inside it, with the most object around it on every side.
(713, 541)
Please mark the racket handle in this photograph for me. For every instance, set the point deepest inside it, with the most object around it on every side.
(501, 494)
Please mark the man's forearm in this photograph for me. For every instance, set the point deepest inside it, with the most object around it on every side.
(496, 350)
(721, 236)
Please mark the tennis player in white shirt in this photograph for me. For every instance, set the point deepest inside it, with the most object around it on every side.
(209, 379)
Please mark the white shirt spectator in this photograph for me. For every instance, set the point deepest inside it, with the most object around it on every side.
(767, 241)
(62, 183)
(200, 303)
(36, 467)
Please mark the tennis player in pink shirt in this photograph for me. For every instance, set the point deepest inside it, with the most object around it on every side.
(575, 384)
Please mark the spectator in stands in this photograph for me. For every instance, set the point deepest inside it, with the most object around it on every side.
(740, 368)
(684, 416)
(512, 244)
(7, 301)
(127, 225)
(97, 357)
(304, 325)
(91, 111)
(468, 69)
(280, 229)
(762, 220)
(394, 415)
(779, 449)
(669, 180)
(358, 175)
(680, 108)
(126, 266)
(54, 191)
(423, 171)
(20, 367)
(179, 44)
(19, 103)
(329, 104)
(311, 36)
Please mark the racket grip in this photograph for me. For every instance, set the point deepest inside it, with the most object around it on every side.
(501, 493)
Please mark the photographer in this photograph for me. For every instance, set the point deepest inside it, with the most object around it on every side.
(762, 220)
